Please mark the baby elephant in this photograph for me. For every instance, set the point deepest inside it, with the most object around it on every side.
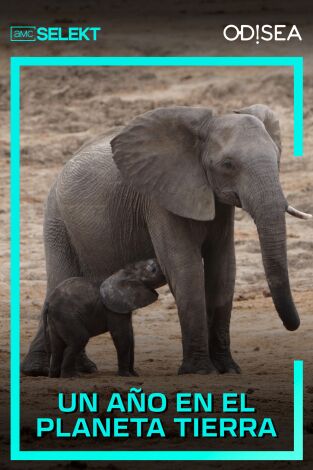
(78, 309)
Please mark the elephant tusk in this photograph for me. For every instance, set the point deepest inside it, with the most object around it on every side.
(301, 215)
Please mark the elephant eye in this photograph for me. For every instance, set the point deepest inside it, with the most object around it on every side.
(228, 164)
(151, 268)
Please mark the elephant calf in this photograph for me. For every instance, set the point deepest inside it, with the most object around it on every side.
(78, 309)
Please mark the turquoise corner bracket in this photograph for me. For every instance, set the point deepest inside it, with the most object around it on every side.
(16, 63)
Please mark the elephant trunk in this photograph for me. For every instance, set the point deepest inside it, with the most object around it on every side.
(268, 212)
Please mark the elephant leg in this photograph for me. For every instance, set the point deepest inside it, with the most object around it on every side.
(84, 364)
(61, 264)
(122, 336)
(77, 337)
(220, 273)
(178, 250)
(132, 352)
(57, 349)
(68, 368)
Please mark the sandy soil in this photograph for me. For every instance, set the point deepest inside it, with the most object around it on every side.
(64, 107)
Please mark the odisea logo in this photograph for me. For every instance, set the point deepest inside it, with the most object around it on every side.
(53, 33)
(265, 32)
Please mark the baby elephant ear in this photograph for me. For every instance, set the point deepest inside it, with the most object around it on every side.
(269, 119)
(159, 154)
(124, 296)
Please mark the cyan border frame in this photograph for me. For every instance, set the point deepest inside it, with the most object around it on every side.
(16, 64)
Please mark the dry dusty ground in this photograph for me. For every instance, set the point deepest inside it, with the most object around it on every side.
(64, 107)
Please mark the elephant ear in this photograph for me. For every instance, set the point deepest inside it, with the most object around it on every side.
(158, 153)
(269, 119)
(124, 296)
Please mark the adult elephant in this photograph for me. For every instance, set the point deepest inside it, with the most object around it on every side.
(167, 185)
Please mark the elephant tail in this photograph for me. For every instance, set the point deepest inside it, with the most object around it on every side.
(45, 310)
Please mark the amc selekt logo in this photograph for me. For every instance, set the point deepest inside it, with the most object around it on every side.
(53, 33)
